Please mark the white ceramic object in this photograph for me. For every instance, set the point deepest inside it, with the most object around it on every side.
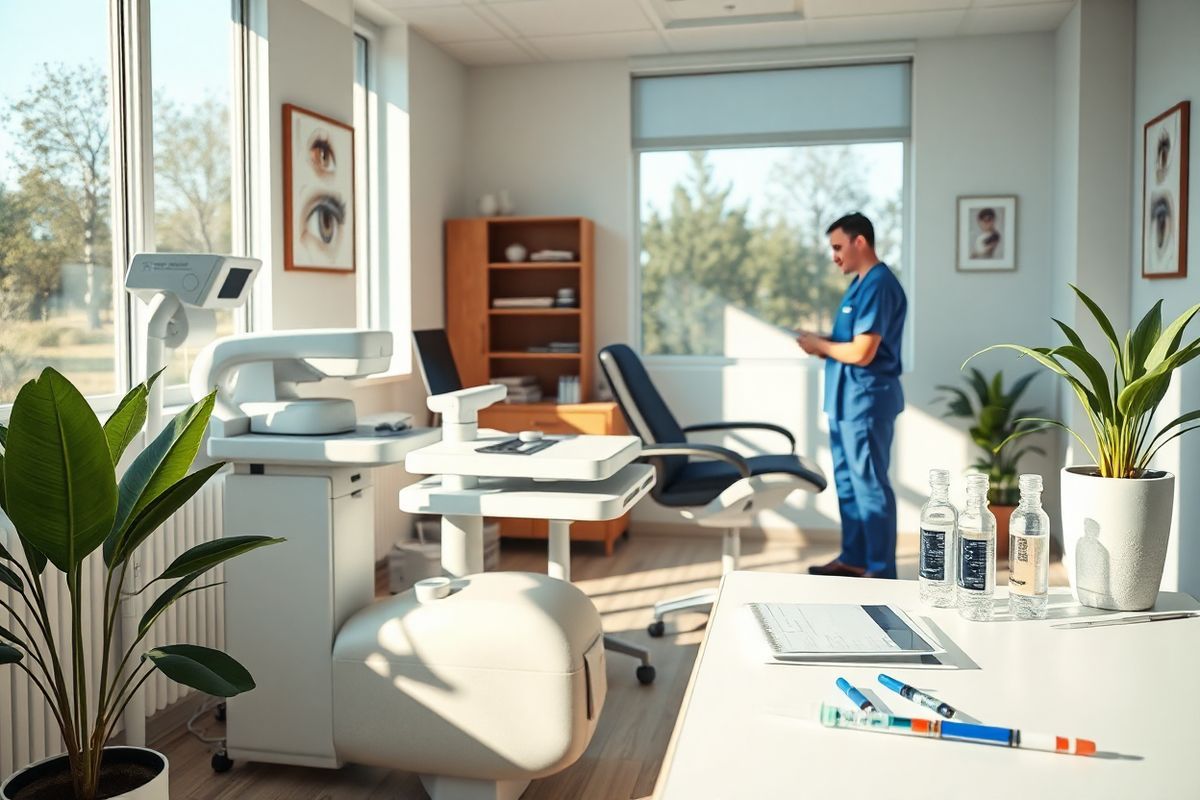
(515, 252)
(489, 205)
(155, 789)
(1115, 536)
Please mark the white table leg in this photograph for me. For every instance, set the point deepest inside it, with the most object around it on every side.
(560, 550)
(462, 545)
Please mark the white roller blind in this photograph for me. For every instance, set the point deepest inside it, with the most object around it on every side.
(773, 106)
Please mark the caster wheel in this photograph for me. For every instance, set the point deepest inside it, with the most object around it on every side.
(221, 762)
(220, 713)
(645, 674)
(656, 628)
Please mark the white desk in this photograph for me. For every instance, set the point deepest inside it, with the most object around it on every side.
(748, 729)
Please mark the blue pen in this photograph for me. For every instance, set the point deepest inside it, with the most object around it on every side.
(918, 697)
(858, 698)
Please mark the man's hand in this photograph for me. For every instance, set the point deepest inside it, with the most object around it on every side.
(811, 343)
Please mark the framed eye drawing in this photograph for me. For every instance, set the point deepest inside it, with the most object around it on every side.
(987, 233)
(318, 192)
(1165, 193)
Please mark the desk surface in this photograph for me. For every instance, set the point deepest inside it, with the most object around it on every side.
(748, 725)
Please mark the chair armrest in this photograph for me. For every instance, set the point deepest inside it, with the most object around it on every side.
(762, 426)
(699, 451)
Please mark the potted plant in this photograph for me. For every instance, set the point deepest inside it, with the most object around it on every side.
(1116, 511)
(993, 424)
(59, 489)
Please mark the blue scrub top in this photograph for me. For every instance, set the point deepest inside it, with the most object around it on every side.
(874, 303)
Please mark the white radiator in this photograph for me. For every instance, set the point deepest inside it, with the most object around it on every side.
(27, 728)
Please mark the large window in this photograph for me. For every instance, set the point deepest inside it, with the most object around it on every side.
(56, 256)
(69, 219)
(739, 175)
(734, 253)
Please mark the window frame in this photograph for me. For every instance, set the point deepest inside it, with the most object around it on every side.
(756, 142)
(369, 312)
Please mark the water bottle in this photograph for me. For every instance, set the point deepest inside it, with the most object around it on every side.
(1029, 552)
(939, 525)
(976, 562)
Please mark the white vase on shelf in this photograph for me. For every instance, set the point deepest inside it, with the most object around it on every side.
(515, 252)
(489, 205)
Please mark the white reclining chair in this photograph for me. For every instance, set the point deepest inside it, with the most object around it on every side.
(715, 486)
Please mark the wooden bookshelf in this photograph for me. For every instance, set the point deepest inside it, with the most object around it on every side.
(492, 342)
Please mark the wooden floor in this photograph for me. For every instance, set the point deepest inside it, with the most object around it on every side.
(625, 755)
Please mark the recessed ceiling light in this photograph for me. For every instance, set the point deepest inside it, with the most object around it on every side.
(730, 7)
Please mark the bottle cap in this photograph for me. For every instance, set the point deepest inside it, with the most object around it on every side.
(1030, 482)
(939, 476)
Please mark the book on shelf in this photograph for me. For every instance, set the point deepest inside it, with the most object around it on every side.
(523, 302)
(552, 255)
(525, 394)
(516, 381)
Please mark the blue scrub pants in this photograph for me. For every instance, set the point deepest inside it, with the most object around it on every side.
(862, 450)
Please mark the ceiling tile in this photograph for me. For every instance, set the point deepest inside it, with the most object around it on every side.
(599, 45)
(488, 54)
(738, 37)
(397, 5)
(823, 9)
(1015, 19)
(880, 27)
(449, 24)
(531, 18)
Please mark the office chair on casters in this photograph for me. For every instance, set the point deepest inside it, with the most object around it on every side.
(440, 374)
(714, 486)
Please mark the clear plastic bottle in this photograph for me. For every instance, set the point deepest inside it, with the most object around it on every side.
(1029, 552)
(939, 532)
(976, 562)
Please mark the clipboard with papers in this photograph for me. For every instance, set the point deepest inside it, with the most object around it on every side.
(844, 633)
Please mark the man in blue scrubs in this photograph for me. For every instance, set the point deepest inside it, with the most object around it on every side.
(862, 398)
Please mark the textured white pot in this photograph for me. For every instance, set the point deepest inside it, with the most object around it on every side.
(156, 789)
(1115, 536)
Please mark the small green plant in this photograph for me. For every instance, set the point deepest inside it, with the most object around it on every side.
(993, 424)
(1120, 407)
(58, 487)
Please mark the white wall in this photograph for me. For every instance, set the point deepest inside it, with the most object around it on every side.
(1167, 70)
(557, 136)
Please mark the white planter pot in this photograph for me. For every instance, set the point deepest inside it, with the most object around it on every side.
(1115, 536)
(156, 789)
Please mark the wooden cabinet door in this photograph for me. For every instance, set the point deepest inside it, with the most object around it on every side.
(467, 298)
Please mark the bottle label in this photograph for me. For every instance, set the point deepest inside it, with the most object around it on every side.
(972, 568)
(933, 555)
(1027, 553)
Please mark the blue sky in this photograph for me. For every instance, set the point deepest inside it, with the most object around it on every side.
(190, 43)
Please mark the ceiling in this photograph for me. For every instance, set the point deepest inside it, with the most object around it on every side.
(491, 32)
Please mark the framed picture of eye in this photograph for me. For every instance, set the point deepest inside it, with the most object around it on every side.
(318, 192)
(1165, 194)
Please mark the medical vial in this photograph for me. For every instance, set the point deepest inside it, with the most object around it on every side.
(1029, 552)
(939, 524)
(976, 562)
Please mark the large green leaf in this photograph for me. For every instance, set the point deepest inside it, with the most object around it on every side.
(164, 461)
(8, 635)
(1070, 333)
(1092, 371)
(1169, 339)
(9, 654)
(3, 435)
(202, 668)
(1175, 423)
(59, 482)
(1043, 357)
(177, 590)
(958, 405)
(1102, 321)
(207, 555)
(3, 501)
(121, 543)
(126, 422)
(1041, 424)
(5, 555)
(979, 384)
(1141, 340)
(1140, 396)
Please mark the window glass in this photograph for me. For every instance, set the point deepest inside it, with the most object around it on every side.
(734, 254)
(190, 47)
(362, 196)
(56, 298)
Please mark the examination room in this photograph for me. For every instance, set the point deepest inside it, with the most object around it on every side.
(598, 399)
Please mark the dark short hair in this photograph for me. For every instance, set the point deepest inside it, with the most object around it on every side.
(986, 213)
(854, 225)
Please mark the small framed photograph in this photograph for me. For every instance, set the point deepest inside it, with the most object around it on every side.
(318, 192)
(987, 233)
(1165, 194)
